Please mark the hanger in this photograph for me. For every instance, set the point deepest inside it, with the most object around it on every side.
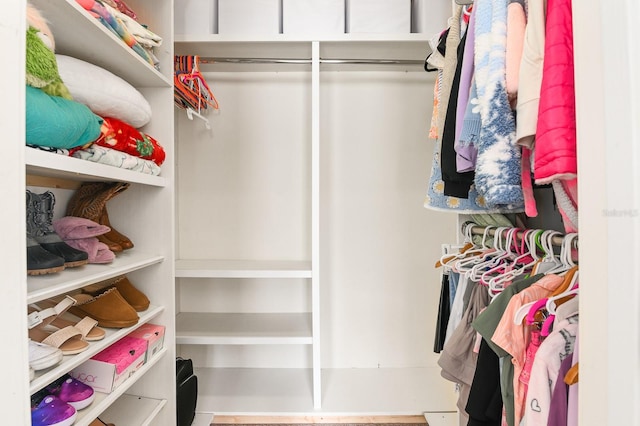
(191, 113)
(566, 265)
(549, 261)
(571, 378)
(494, 259)
(191, 91)
(522, 264)
(551, 306)
(506, 263)
(446, 258)
(482, 253)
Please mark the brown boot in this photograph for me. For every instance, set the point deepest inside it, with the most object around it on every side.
(90, 202)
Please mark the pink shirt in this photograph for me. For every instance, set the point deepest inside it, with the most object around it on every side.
(514, 338)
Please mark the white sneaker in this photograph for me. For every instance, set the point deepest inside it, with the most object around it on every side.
(43, 356)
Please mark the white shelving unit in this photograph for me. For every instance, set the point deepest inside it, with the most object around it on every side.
(213, 331)
(144, 213)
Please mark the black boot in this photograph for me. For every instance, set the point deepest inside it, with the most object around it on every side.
(40, 227)
(40, 261)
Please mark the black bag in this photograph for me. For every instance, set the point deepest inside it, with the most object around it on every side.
(186, 392)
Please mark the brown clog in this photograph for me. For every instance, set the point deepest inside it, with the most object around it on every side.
(109, 308)
(137, 299)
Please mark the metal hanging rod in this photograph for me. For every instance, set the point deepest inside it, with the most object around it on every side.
(204, 60)
(556, 240)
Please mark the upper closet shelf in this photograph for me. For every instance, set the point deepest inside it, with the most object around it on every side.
(375, 47)
(188, 268)
(42, 163)
(78, 34)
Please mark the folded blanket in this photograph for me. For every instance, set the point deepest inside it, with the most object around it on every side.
(112, 157)
(57, 122)
(115, 25)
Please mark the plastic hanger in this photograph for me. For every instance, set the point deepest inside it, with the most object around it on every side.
(495, 260)
(551, 306)
(549, 261)
(484, 251)
(505, 265)
(191, 113)
(521, 264)
(565, 265)
(463, 252)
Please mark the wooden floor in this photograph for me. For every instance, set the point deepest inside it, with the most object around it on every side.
(266, 420)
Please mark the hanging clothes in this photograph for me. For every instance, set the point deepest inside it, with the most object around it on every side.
(466, 130)
(498, 163)
(555, 146)
(486, 324)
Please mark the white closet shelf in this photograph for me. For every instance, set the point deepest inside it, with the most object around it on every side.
(193, 328)
(282, 46)
(46, 286)
(87, 39)
(121, 408)
(211, 268)
(69, 362)
(236, 391)
(42, 163)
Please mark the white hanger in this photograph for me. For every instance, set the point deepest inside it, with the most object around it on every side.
(550, 261)
(495, 258)
(192, 113)
(463, 265)
(507, 262)
(528, 238)
(565, 263)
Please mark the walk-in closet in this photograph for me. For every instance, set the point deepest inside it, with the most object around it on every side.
(289, 244)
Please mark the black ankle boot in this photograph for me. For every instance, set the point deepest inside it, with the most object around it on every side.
(40, 227)
(40, 261)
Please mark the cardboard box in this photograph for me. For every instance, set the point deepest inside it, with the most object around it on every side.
(430, 16)
(107, 370)
(315, 17)
(153, 334)
(253, 17)
(379, 16)
(196, 17)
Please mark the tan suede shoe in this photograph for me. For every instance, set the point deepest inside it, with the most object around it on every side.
(109, 308)
(137, 299)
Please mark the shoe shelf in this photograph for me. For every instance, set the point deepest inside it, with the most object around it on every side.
(80, 35)
(42, 163)
(134, 410)
(193, 328)
(131, 406)
(45, 286)
(188, 268)
(69, 362)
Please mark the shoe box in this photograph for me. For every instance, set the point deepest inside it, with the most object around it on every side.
(111, 367)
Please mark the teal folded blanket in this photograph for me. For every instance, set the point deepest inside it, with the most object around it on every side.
(57, 122)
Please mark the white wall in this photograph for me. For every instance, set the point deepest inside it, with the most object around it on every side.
(379, 288)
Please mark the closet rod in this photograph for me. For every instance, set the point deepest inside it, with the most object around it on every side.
(479, 230)
(205, 60)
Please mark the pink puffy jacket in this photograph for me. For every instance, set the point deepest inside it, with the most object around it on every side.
(555, 146)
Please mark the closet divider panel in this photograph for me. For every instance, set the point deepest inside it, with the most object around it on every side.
(12, 186)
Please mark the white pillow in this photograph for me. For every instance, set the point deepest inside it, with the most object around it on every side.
(106, 94)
